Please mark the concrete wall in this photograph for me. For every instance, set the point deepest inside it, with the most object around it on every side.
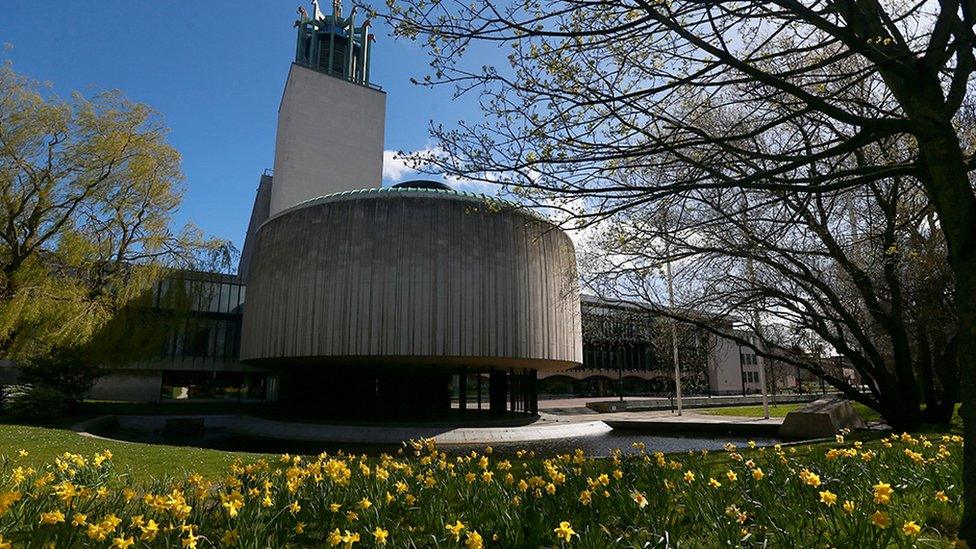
(403, 275)
(330, 138)
(128, 385)
(259, 214)
(724, 373)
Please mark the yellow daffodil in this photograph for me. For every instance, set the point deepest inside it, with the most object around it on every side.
(828, 498)
(809, 478)
(349, 538)
(52, 517)
(882, 493)
(585, 497)
(911, 529)
(455, 529)
(639, 498)
(848, 507)
(380, 535)
(122, 542)
(190, 541)
(564, 532)
(473, 540)
(880, 519)
(149, 530)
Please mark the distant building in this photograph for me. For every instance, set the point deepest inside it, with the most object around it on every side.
(627, 348)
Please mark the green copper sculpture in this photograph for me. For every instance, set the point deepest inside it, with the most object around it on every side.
(333, 44)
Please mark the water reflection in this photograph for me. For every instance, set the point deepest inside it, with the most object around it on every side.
(595, 445)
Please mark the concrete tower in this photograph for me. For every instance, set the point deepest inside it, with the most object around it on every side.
(330, 120)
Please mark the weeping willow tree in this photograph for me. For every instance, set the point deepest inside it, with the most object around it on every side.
(88, 188)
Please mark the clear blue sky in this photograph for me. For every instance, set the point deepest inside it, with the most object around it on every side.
(215, 71)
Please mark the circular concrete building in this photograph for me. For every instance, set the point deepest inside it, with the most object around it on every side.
(389, 301)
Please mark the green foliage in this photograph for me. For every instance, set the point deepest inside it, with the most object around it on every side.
(88, 187)
(34, 403)
(69, 372)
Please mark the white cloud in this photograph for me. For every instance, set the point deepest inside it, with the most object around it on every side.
(395, 168)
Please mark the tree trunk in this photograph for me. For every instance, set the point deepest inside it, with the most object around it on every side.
(966, 358)
(939, 405)
(954, 201)
(895, 408)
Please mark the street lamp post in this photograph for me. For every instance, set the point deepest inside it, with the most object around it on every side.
(751, 269)
(674, 338)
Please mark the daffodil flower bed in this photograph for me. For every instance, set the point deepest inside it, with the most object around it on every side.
(901, 492)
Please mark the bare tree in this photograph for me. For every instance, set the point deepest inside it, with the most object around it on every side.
(862, 273)
(594, 91)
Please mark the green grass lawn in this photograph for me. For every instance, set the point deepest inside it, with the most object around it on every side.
(143, 460)
(778, 410)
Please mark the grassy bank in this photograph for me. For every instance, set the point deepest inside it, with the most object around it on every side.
(778, 410)
(144, 460)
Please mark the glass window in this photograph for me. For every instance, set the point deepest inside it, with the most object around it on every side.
(189, 385)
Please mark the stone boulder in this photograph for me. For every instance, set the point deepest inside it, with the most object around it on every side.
(821, 418)
(607, 406)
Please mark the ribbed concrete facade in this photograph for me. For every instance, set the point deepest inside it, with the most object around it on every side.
(408, 276)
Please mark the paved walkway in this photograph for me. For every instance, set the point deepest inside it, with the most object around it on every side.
(577, 404)
(693, 423)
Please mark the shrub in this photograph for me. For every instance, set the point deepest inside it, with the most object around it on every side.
(69, 372)
(34, 403)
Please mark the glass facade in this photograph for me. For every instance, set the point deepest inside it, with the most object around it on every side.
(206, 316)
(624, 338)
(202, 339)
(630, 350)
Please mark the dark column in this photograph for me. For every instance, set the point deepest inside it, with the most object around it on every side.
(511, 396)
(497, 390)
(463, 391)
(479, 391)
(533, 392)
